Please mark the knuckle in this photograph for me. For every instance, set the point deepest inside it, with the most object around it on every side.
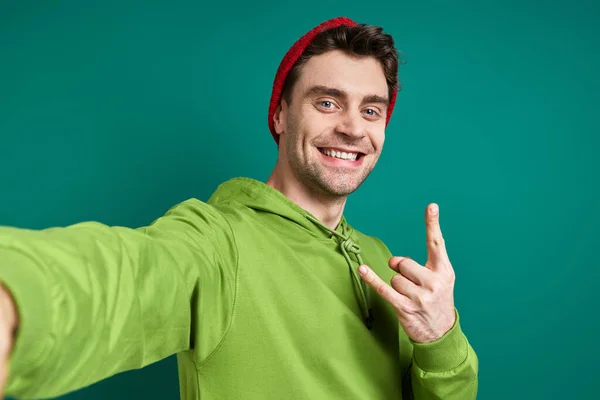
(436, 241)
(447, 272)
(420, 300)
(451, 276)
(436, 286)
(430, 298)
(380, 289)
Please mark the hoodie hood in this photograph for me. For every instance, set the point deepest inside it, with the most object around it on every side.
(262, 197)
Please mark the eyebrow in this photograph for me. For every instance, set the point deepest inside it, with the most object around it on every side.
(329, 91)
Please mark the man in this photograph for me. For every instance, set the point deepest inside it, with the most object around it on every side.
(265, 291)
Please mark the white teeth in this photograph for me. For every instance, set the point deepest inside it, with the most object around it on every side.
(341, 154)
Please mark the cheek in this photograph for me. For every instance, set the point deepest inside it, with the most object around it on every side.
(382, 141)
(378, 139)
(312, 129)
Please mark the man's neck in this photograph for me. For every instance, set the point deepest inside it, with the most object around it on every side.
(326, 209)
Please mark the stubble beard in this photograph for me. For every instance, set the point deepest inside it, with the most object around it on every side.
(331, 184)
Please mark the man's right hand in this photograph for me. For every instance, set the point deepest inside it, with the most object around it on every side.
(8, 324)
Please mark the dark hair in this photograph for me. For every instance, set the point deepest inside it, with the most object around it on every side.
(360, 40)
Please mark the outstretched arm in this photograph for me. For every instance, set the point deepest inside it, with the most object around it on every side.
(94, 300)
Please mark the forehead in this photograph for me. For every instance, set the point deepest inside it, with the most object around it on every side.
(358, 76)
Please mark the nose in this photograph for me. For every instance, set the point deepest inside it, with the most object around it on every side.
(350, 124)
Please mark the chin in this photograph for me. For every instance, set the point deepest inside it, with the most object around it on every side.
(339, 188)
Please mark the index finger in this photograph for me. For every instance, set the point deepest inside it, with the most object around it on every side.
(436, 246)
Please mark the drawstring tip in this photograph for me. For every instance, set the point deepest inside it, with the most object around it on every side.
(369, 320)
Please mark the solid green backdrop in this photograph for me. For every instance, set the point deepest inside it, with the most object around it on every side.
(115, 111)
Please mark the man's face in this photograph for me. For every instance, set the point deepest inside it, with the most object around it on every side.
(332, 132)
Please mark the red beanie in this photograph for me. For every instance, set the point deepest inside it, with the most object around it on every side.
(292, 56)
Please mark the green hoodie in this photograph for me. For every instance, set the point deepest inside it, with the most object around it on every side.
(257, 299)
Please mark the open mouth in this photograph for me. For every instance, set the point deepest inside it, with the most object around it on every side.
(342, 155)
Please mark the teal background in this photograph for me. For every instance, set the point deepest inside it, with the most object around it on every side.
(114, 111)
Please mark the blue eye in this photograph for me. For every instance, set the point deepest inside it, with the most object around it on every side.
(372, 113)
(326, 103)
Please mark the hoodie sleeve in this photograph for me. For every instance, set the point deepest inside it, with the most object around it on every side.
(446, 368)
(95, 300)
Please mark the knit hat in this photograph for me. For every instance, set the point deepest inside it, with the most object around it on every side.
(292, 56)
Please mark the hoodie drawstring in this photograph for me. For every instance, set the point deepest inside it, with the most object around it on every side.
(349, 246)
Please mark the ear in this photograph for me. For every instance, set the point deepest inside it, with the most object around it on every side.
(280, 117)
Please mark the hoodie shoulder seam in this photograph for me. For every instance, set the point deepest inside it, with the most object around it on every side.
(235, 296)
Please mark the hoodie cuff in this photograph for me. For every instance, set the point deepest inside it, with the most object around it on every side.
(29, 292)
(443, 354)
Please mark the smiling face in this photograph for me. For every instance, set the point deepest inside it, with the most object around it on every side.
(332, 131)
